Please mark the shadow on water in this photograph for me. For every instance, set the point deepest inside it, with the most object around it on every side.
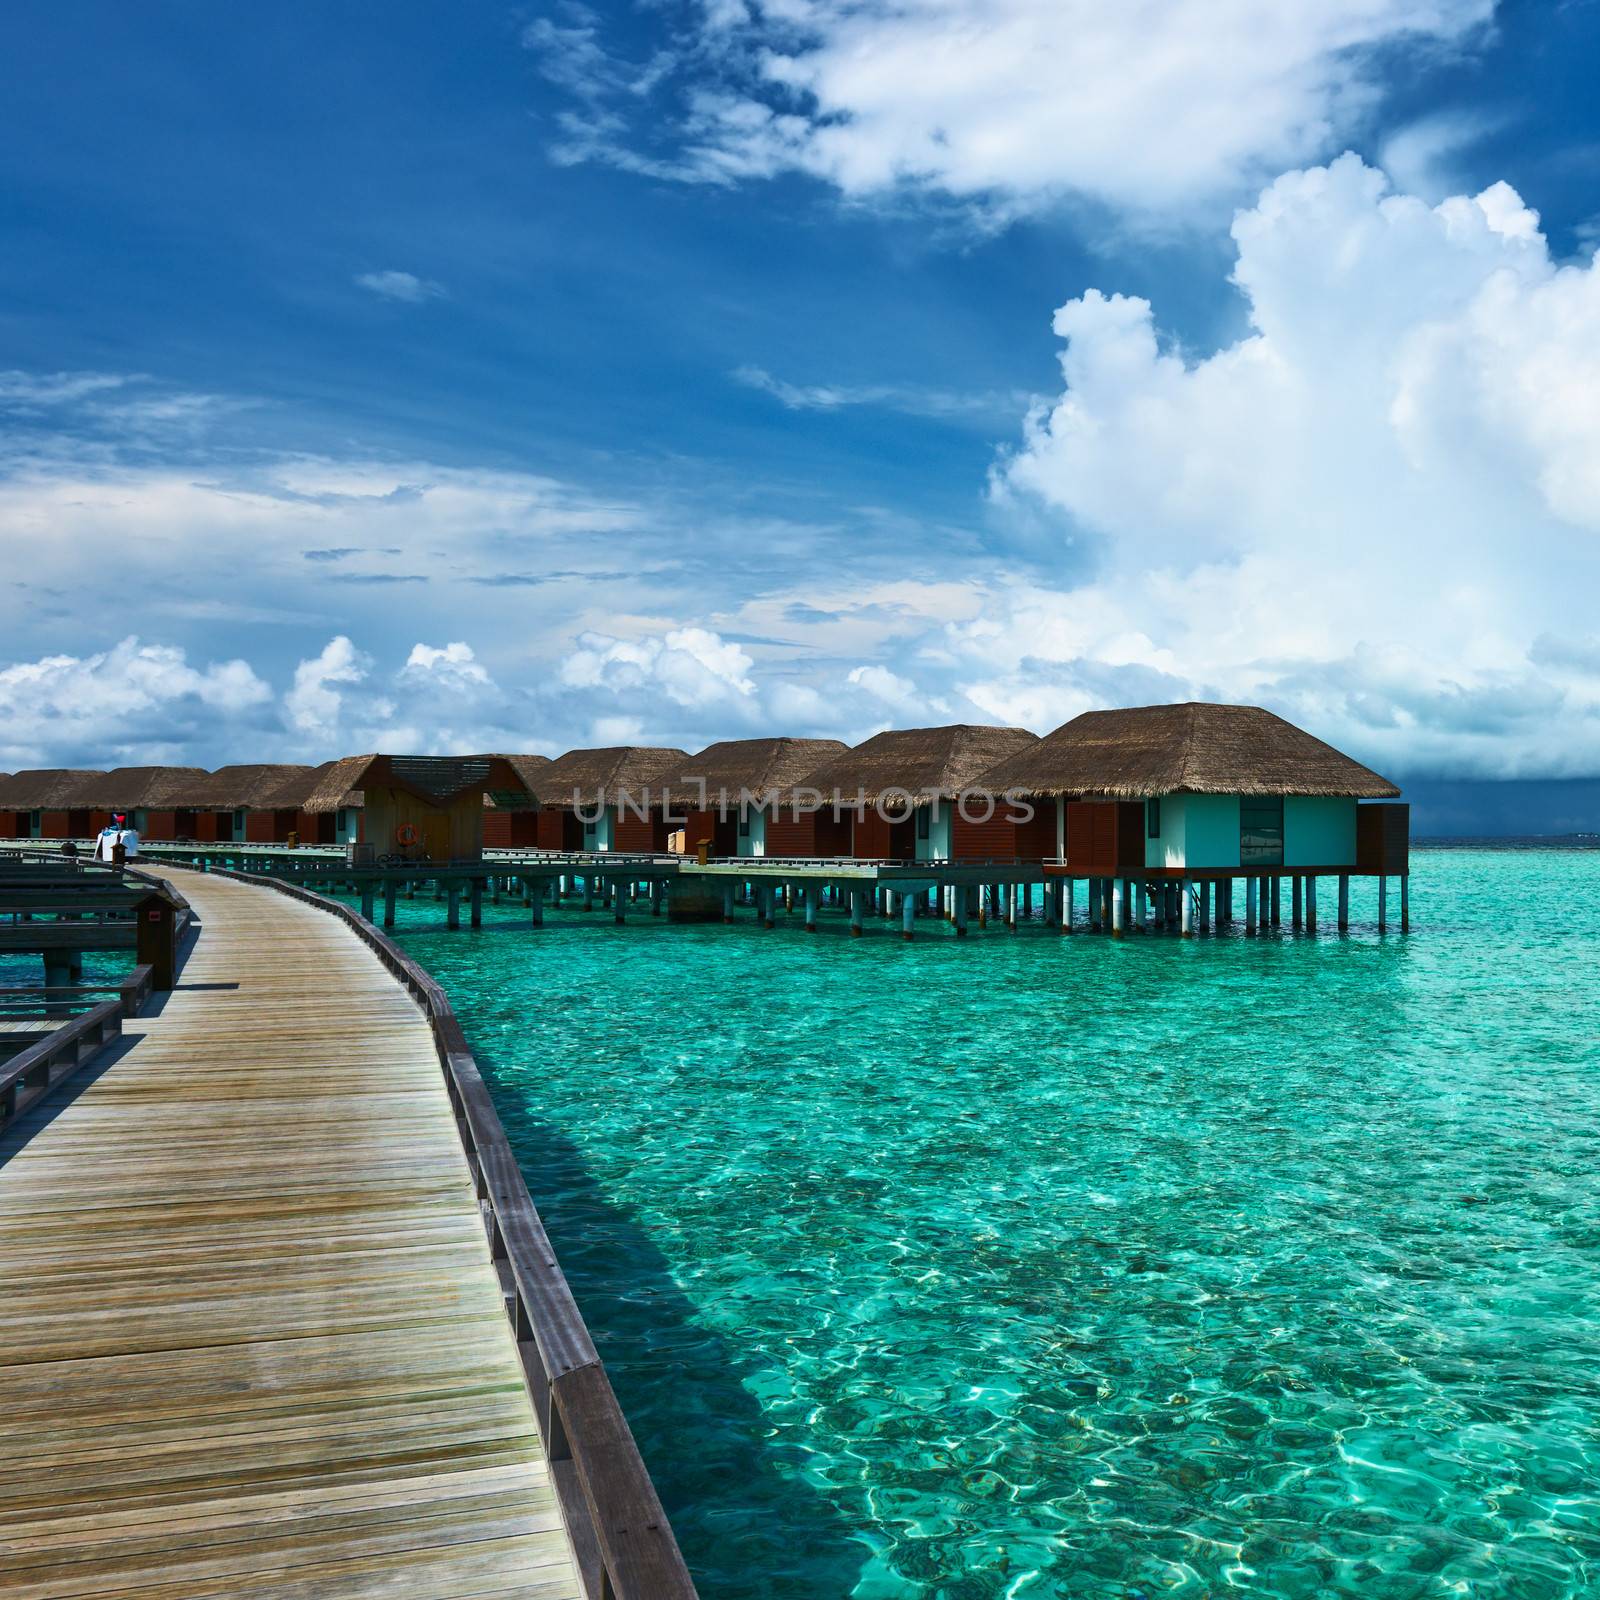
(746, 1518)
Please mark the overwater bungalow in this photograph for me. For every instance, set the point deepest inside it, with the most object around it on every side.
(39, 804)
(254, 804)
(728, 797)
(1202, 793)
(511, 817)
(897, 793)
(147, 796)
(606, 799)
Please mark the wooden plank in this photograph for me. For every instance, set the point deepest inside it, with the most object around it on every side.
(252, 1340)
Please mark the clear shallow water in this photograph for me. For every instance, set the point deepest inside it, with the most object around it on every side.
(1038, 1267)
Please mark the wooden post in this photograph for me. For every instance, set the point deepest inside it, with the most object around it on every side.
(619, 905)
(811, 895)
(1203, 899)
(1068, 910)
(588, 892)
(453, 910)
(536, 904)
(908, 915)
(1405, 902)
(1118, 910)
(368, 894)
(1344, 902)
(388, 902)
(1011, 907)
(961, 912)
(1187, 911)
(765, 894)
(857, 905)
(1383, 904)
(476, 901)
(1296, 920)
(1277, 901)
(1250, 884)
(156, 939)
(1311, 905)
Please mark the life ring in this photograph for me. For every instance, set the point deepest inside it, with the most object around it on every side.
(406, 835)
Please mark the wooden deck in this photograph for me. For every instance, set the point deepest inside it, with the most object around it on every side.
(252, 1341)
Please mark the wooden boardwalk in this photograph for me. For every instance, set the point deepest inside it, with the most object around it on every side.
(252, 1342)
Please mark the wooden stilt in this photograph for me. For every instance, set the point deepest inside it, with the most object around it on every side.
(1250, 886)
(1067, 907)
(1186, 909)
(1118, 896)
(453, 908)
(1344, 902)
(388, 903)
(1405, 902)
(536, 904)
(1311, 905)
(961, 913)
(1383, 904)
(1011, 907)
(368, 890)
(1295, 917)
(908, 915)
(812, 897)
(857, 898)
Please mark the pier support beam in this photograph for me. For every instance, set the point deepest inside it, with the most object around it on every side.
(1067, 908)
(368, 892)
(452, 916)
(1187, 894)
(1250, 905)
(1119, 894)
(535, 900)
(1277, 901)
(619, 904)
(908, 915)
(1344, 902)
(1296, 920)
(388, 903)
(858, 898)
(961, 913)
(1383, 904)
(813, 894)
(1311, 905)
(765, 895)
(1405, 902)
(477, 903)
(1203, 894)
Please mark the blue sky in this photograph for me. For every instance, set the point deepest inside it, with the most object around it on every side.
(524, 377)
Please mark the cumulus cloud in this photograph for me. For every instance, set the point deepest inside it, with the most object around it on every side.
(314, 705)
(405, 287)
(1368, 508)
(451, 666)
(693, 667)
(128, 700)
(1151, 104)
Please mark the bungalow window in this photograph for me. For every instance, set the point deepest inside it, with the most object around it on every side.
(1261, 830)
(1152, 819)
(924, 822)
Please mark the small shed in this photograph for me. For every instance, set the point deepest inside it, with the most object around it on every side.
(903, 792)
(423, 806)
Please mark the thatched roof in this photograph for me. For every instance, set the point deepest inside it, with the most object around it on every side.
(43, 788)
(130, 788)
(530, 770)
(581, 776)
(1193, 748)
(259, 787)
(925, 762)
(722, 772)
(335, 784)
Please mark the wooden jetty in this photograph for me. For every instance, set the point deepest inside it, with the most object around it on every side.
(279, 1317)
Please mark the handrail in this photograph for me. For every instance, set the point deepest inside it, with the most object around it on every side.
(614, 1518)
(32, 1074)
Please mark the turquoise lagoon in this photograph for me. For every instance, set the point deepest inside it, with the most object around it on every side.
(1031, 1267)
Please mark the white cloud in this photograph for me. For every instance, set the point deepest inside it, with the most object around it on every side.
(403, 286)
(1367, 510)
(1149, 104)
(917, 400)
(452, 666)
(315, 704)
(38, 389)
(693, 667)
(133, 701)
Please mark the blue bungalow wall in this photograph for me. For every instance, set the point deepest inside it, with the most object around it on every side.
(1202, 830)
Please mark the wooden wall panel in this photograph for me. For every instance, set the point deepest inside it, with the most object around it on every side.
(1383, 837)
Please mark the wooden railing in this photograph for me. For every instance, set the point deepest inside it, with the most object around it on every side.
(614, 1518)
(28, 1077)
